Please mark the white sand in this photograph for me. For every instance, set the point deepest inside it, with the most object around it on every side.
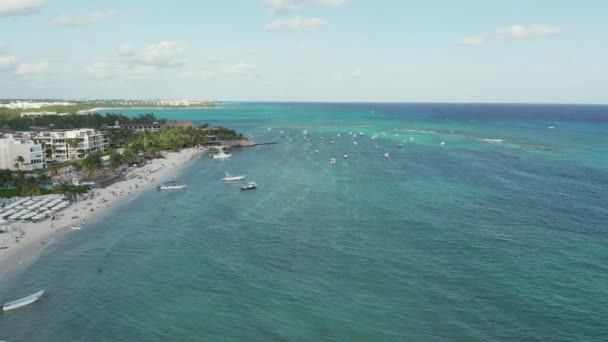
(37, 236)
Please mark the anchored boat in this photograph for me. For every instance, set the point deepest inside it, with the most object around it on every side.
(222, 155)
(250, 186)
(22, 302)
(230, 178)
(172, 186)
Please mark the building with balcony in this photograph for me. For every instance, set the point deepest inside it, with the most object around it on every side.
(64, 145)
(20, 154)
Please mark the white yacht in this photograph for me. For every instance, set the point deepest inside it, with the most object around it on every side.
(230, 178)
(332, 161)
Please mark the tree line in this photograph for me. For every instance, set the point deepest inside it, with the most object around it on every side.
(73, 121)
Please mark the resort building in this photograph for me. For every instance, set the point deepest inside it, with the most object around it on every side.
(64, 145)
(142, 127)
(19, 154)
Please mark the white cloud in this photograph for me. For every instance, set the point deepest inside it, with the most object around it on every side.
(514, 32)
(356, 73)
(84, 19)
(297, 24)
(241, 68)
(4, 48)
(287, 6)
(131, 63)
(7, 62)
(165, 54)
(19, 7)
(126, 50)
(32, 69)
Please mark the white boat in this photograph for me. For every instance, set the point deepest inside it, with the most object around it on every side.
(250, 186)
(442, 143)
(222, 155)
(332, 161)
(75, 228)
(346, 156)
(387, 156)
(230, 178)
(22, 302)
(172, 186)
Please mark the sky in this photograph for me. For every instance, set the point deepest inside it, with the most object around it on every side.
(541, 51)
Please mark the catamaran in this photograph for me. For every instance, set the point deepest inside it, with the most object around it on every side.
(22, 302)
(230, 178)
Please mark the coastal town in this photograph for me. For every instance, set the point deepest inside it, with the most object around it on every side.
(55, 179)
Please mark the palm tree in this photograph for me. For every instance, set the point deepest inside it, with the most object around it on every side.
(115, 160)
(68, 190)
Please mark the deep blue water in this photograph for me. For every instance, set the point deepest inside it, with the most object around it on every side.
(497, 235)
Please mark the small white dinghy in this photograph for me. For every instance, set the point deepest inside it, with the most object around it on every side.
(22, 302)
(230, 178)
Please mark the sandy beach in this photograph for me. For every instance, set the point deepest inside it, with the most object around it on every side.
(34, 237)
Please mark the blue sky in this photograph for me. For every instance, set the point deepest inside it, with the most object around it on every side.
(306, 50)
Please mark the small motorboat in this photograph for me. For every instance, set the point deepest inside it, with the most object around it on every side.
(250, 186)
(230, 178)
(222, 155)
(75, 228)
(346, 156)
(332, 161)
(22, 302)
(387, 156)
(172, 186)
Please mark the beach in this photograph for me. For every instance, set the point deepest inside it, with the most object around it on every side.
(35, 237)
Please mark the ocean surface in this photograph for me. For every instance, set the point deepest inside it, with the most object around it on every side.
(489, 224)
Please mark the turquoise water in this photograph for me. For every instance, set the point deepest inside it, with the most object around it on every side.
(498, 235)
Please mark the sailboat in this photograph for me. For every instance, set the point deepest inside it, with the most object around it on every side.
(230, 178)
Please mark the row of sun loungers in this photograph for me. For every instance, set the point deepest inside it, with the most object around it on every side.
(34, 209)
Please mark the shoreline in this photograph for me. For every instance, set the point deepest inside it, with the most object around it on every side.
(87, 211)
(99, 109)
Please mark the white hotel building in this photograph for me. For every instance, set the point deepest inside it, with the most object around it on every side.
(12, 149)
(65, 145)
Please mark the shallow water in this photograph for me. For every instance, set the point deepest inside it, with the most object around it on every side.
(478, 239)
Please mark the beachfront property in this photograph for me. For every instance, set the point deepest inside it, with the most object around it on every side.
(21, 154)
(35, 114)
(142, 127)
(65, 145)
(32, 105)
(155, 126)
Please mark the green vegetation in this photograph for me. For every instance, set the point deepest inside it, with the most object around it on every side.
(74, 121)
(18, 183)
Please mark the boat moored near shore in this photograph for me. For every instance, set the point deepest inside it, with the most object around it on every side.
(22, 302)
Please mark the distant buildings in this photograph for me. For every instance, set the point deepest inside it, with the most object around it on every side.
(65, 145)
(142, 127)
(155, 126)
(32, 105)
(21, 154)
(24, 114)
